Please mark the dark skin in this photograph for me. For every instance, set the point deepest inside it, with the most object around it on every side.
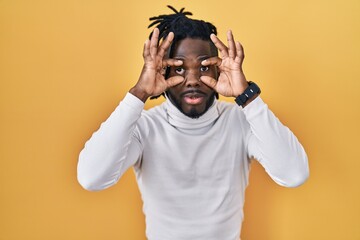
(195, 74)
(192, 97)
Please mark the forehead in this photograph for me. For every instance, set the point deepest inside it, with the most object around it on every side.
(190, 47)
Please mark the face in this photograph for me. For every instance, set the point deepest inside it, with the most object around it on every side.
(192, 97)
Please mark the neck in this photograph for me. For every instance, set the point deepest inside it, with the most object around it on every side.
(194, 126)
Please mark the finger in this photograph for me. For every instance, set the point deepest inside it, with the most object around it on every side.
(173, 81)
(220, 45)
(231, 44)
(163, 71)
(146, 50)
(239, 53)
(171, 62)
(209, 81)
(165, 44)
(212, 61)
(154, 42)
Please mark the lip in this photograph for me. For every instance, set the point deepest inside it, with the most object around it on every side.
(193, 97)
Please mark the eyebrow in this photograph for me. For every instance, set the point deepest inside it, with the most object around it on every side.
(202, 57)
(179, 57)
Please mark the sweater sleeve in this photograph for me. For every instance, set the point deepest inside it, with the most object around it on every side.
(113, 148)
(275, 146)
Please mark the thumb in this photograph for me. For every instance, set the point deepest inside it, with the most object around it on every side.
(173, 81)
(209, 81)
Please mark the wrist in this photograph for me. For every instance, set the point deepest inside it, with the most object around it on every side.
(250, 100)
(143, 96)
(250, 93)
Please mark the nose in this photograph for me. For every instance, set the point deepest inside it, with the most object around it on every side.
(192, 79)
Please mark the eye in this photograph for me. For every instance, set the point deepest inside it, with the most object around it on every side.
(179, 70)
(204, 68)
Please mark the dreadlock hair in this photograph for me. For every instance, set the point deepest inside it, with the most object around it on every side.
(182, 27)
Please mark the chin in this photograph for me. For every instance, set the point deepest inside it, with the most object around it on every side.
(194, 113)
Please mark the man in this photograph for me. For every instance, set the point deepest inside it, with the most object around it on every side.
(192, 153)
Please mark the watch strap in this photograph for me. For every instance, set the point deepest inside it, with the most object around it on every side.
(249, 92)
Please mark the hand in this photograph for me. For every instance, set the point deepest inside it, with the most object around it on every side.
(152, 80)
(231, 81)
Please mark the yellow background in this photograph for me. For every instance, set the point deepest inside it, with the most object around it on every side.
(65, 65)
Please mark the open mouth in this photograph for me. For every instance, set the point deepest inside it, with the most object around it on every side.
(193, 98)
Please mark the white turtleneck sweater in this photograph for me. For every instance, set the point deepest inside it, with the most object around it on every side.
(192, 173)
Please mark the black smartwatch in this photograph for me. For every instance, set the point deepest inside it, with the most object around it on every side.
(249, 92)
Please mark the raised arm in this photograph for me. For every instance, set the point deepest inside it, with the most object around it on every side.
(270, 142)
(116, 146)
(113, 148)
(275, 146)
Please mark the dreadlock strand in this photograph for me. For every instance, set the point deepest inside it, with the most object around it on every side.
(172, 8)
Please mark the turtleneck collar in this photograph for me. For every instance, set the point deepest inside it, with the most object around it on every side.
(191, 125)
